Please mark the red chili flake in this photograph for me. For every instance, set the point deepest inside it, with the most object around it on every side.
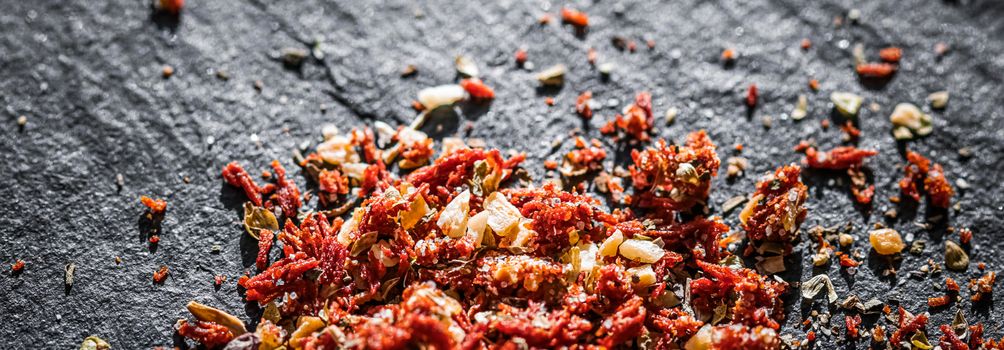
(781, 195)
(417, 106)
(574, 17)
(728, 55)
(157, 206)
(738, 147)
(920, 171)
(852, 325)
(264, 245)
(876, 70)
(850, 130)
(219, 279)
(951, 285)
(860, 188)
(951, 341)
(891, 54)
(983, 286)
(591, 56)
(160, 275)
(806, 44)
(907, 326)
(811, 336)
(756, 305)
(938, 301)
(582, 104)
(650, 43)
(287, 195)
(210, 334)
(965, 236)
(751, 96)
(17, 266)
(654, 173)
(632, 46)
(331, 184)
(236, 176)
(171, 6)
(982, 266)
(550, 164)
(839, 158)
(846, 260)
(637, 121)
(154, 239)
(814, 84)
(976, 337)
(825, 124)
(521, 56)
(549, 101)
(477, 89)
(265, 174)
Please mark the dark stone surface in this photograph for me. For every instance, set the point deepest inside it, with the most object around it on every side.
(87, 74)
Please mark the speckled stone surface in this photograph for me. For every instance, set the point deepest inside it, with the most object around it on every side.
(87, 75)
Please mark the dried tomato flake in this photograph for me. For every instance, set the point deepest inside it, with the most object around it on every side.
(839, 158)
(236, 176)
(921, 175)
(574, 17)
(477, 89)
(264, 245)
(751, 96)
(521, 56)
(582, 105)
(156, 206)
(891, 54)
(17, 266)
(160, 275)
(210, 334)
(852, 325)
(876, 70)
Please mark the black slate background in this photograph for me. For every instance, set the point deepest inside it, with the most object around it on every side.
(87, 76)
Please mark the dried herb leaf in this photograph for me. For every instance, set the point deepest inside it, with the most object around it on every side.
(257, 219)
(364, 243)
(94, 343)
(552, 76)
(813, 286)
(732, 203)
(955, 258)
(919, 340)
(271, 312)
(68, 277)
(960, 325)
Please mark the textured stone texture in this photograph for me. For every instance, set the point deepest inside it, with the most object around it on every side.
(87, 74)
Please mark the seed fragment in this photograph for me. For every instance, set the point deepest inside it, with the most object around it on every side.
(801, 108)
(553, 76)
(907, 119)
(466, 67)
(955, 258)
(938, 100)
(94, 343)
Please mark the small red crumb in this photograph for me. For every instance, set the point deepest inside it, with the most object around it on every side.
(521, 56)
(810, 337)
(983, 286)
(171, 6)
(852, 325)
(477, 89)
(574, 17)
(582, 105)
(632, 46)
(938, 301)
(891, 54)
(157, 206)
(219, 279)
(982, 266)
(17, 266)
(580, 142)
(650, 43)
(738, 147)
(876, 70)
(965, 236)
(265, 174)
(846, 260)
(951, 285)
(550, 164)
(167, 71)
(751, 96)
(852, 132)
(160, 275)
(814, 84)
(806, 44)
(941, 48)
(591, 56)
(825, 123)
(728, 55)
(264, 245)
(544, 19)
(549, 101)
(154, 239)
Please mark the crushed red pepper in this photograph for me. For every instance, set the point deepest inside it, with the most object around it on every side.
(574, 17)
(210, 334)
(582, 104)
(907, 325)
(521, 57)
(775, 210)
(891, 54)
(477, 89)
(921, 175)
(156, 206)
(840, 158)
(876, 70)
(264, 245)
(852, 323)
(637, 121)
(17, 266)
(751, 96)
(160, 275)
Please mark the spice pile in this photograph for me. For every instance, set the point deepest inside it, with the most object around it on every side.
(456, 248)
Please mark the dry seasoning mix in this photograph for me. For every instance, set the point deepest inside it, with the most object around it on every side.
(456, 255)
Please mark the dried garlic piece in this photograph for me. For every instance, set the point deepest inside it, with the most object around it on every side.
(502, 215)
(847, 103)
(641, 251)
(442, 95)
(910, 118)
(611, 244)
(938, 100)
(453, 218)
(814, 285)
(801, 108)
(94, 343)
(466, 67)
(642, 276)
(552, 76)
